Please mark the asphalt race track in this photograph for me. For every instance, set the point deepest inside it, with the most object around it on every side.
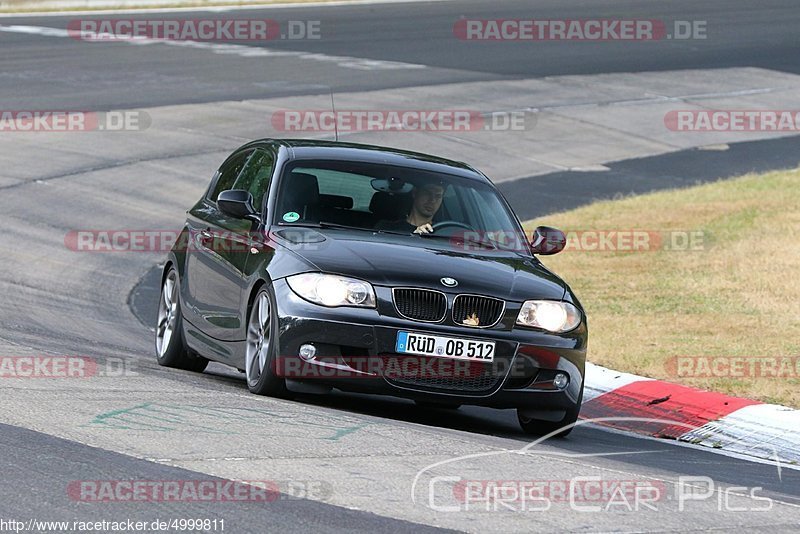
(340, 462)
(419, 34)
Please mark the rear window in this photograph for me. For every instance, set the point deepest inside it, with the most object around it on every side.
(353, 186)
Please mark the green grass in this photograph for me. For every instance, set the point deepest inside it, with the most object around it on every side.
(737, 296)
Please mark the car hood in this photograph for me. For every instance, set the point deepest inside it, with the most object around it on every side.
(397, 261)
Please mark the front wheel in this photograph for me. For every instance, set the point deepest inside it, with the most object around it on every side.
(171, 350)
(541, 427)
(262, 343)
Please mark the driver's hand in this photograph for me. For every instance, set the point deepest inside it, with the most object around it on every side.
(424, 229)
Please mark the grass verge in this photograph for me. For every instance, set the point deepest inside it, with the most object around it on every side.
(723, 314)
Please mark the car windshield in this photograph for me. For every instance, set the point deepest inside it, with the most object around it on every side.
(395, 199)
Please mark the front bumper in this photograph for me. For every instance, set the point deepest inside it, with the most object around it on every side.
(355, 352)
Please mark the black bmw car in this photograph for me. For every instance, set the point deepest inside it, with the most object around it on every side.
(312, 265)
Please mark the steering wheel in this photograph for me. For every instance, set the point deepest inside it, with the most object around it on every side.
(444, 224)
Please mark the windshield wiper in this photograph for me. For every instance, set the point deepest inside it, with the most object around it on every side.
(325, 224)
(477, 241)
(393, 233)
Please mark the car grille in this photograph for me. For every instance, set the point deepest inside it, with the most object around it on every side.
(420, 304)
(488, 310)
(480, 377)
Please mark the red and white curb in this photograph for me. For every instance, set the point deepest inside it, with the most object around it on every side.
(666, 410)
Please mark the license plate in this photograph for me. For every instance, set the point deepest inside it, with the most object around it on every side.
(446, 347)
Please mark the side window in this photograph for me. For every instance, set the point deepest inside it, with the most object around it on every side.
(256, 176)
(228, 173)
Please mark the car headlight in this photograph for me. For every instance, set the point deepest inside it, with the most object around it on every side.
(332, 290)
(550, 315)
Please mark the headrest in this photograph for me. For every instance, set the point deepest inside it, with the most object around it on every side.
(307, 183)
(301, 190)
(336, 201)
(388, 206)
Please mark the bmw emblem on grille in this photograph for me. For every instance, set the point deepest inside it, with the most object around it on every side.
(449, 282)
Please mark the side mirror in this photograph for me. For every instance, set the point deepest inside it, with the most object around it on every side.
(237, 203)
(547, 240)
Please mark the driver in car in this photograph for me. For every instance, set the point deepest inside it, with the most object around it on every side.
(427, 199)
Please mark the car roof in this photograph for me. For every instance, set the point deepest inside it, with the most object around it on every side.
(318, 149)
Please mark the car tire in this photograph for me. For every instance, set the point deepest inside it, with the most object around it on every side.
(262, 347)
(171, 349)
(541, 427)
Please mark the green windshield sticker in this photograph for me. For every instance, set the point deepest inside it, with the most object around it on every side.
(291, 216)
